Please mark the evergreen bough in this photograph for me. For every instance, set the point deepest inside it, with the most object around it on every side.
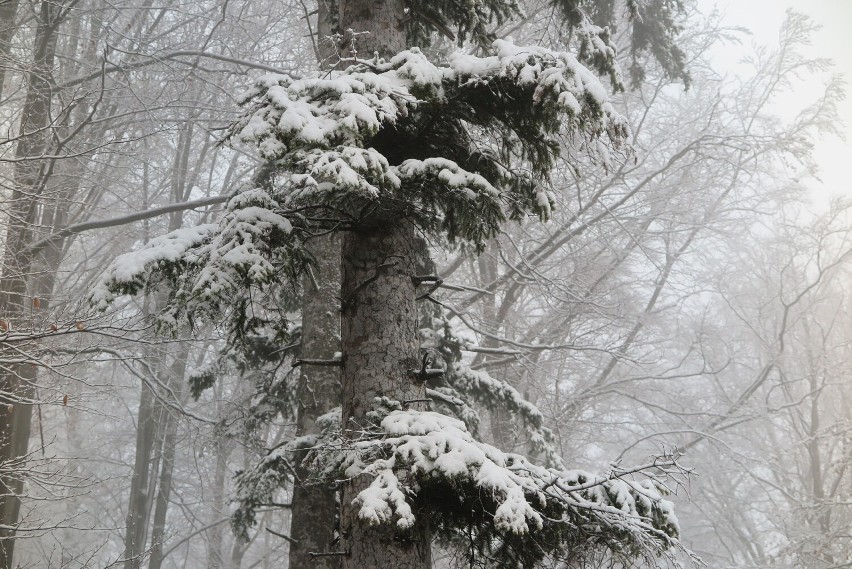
(458, 149)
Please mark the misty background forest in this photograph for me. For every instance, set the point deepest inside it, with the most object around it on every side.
(609, 253)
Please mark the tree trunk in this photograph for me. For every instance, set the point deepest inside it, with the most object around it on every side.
(501, 427)
(8, 15)
(315, 507)
(216, 535)
(379, 317)
(137, 511)
(377, 25)
(17, 379)
(380, 346)
(149, 434)
(164, 485)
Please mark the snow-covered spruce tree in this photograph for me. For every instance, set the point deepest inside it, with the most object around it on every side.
(389, 146)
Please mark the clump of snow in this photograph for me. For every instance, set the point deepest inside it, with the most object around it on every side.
(556, 75)
(209, 262)
(450, 175)
(430, 444)
(411, 448)
(129, 272)
(320, 127)
(362, 171)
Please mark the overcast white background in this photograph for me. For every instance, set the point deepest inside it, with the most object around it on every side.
(833, 40)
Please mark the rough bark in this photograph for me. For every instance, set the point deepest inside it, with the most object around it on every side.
(315, 507)
(380, 346)
(379, 317)
(376, 27)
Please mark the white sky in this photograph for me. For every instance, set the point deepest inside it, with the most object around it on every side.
(834, 40)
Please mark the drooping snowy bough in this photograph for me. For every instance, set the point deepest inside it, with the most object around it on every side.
(498, 505)
(456, 150)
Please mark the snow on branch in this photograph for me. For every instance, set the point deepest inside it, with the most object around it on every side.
(423, 463)
(467, 386)
(479, 386)
(476, 21)
(131, 272)
(409, 457)
(346, 107)
(210, 269)
(399, 134)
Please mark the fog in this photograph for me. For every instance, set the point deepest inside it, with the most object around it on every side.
(471, 305)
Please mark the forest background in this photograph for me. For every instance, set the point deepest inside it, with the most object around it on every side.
(690, 294)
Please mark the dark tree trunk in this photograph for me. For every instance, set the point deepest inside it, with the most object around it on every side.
(379, 317)
(17, 379)
(315, 508)
(377, 24)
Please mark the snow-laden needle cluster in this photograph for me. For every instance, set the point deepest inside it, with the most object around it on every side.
(457, 149)
(422, 463)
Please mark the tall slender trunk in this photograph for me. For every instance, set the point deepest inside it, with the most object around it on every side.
(17, 379)
(151, 483)
(149, 434)
(215, 541)
(137, 511)
(167, 464)
(816, 467)
(314, 508)
(8, 16)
